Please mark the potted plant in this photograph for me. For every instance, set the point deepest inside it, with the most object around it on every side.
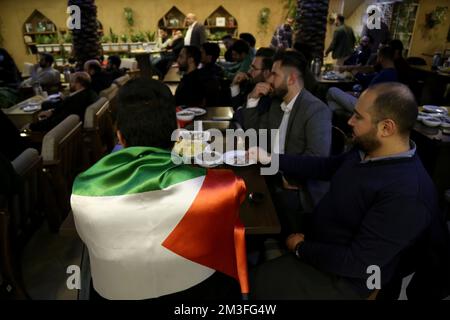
(135, 41)
(124, 44)
(54, 41)
(114, 40)
(40, 41)
(67, 45)
(105, 43)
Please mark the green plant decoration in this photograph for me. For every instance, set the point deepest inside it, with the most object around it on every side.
(124, 38)
(114, 37)
(263, 19)
(150, 36)
(129, 17)
(68, 37)
(105, 39)
(436, 17)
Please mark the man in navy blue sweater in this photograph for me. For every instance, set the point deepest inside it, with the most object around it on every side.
(380, 203)
(340, 101)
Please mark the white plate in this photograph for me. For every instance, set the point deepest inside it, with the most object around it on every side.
(31, 108)
(197, 111)
(236, 158)
(435, 109)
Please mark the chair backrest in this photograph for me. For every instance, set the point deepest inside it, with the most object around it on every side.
(27, 67)
(110, 93)
(130, 64)
(122, 80)
(91, 111)
(98, 131)
(61, 152)
(20, 216)
(416, 61)
(339, 141)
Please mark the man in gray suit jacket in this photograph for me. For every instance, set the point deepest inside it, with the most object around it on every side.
(196, 34)
(304, 121)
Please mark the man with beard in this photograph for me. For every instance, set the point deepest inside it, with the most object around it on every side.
(381, 202)
(82, 96)
(304, 124)
(243, 83)
(43, 73)
(190, 92)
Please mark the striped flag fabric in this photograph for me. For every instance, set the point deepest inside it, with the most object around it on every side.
(155, 228)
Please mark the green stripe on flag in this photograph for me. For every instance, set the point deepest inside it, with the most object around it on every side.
(133, 170)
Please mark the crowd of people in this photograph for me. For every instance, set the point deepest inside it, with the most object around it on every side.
(372, 205)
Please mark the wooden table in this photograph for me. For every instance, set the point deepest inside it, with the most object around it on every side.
(258, 218)
(218, 114)
(434, 84)
(20, 117)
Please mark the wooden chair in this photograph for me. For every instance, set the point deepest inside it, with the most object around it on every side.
(62, 161)
(122, 80)
(111, 92)
(98, 134)
(20, 216)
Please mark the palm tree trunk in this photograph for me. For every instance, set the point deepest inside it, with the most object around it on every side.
(86, 44)
(311, 20)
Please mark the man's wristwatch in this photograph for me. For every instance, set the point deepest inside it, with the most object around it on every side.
(298, 248)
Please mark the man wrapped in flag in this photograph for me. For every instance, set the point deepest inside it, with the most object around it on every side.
(154, 228)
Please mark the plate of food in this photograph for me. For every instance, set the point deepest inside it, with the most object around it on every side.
(31, 107)
(209, 159)
(187, 148)
(237, 158)
(197, 111)
(435, 109)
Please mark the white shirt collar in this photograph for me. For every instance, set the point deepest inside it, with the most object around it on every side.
(192, 25)
(288, 107)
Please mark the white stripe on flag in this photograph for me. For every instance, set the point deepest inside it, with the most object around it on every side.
(124, 236)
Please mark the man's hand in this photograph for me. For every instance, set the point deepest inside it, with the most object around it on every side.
(239, 78)
(261, 89)
(45, 114)
(258, 154)
(293, 240)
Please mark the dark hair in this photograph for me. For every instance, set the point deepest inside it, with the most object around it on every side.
(340, 18)
(227, 37)
(249, 38)
(211, 49)
(292, 58)
(395, 101)
(146, 113)
(193, 52)
(240, 46)
(267, 54)
(387, 52)
(115, 61)
(48, 58)
(396, 44)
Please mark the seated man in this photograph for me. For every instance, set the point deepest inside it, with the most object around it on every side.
(210, 53)
(362, 54)
(260, 71)
(241, 54)
(100, 80)
(43, 73)
(81, 97)
(113, 68)
(342, 102)
(196, 88)
(381, 201)
(304, 124)
(148, 220)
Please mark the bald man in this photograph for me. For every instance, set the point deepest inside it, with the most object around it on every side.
(196, 34)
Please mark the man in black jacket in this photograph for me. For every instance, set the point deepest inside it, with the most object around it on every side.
(196, 34)
(77, 102)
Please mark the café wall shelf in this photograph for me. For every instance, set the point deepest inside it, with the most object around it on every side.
(36, 28)
(173, 20)
(219, 23)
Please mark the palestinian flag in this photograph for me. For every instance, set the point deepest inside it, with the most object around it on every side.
(155, 228)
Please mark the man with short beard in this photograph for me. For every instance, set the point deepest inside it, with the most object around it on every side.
(304, 124)
(380, 204)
